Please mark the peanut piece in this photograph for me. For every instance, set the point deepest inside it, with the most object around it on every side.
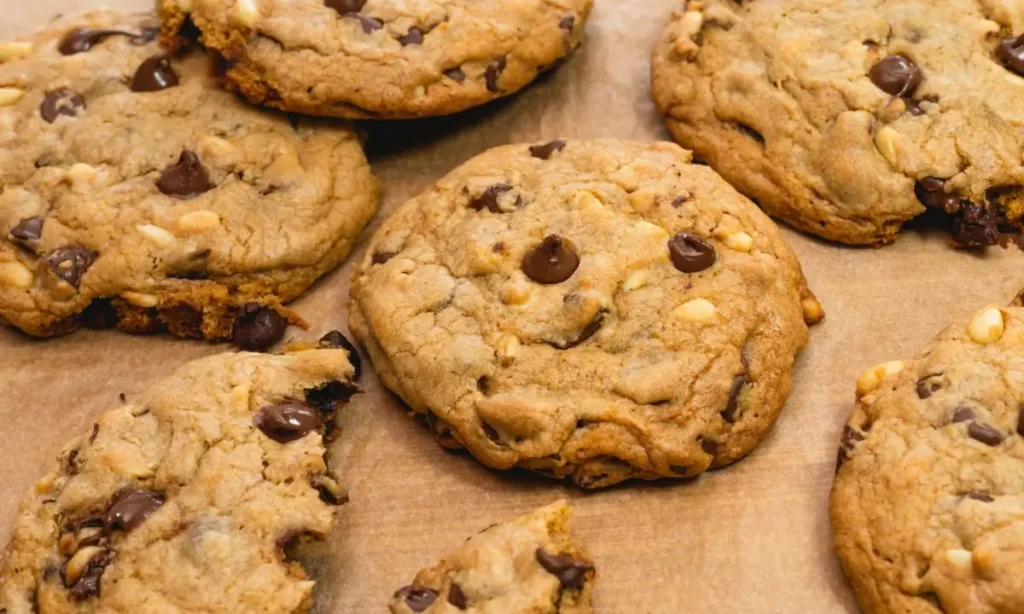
(813, 311)
(887, 141)
(79, 563)
(198, 221)
(158, 236)
(698, 310)
(16, 275)
(635, 281)
(139, 299)
(871, 379)
(508, 347)
(740, 241)
(14, 51)
(987, 326)
(10, 95)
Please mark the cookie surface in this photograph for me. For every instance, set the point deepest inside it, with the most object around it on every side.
(381, 58)
(847, 119)
(597, 310)
(530, 565)
(926, 505)
(186, 498)
(132, 183)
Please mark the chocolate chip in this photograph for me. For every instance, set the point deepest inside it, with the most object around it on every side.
(680, 469)
(82, 39)
(456, 597)
(186, 178)
(100, 315)
(369, 24)
(678, 202)
(709, 446)
(926, 386)
(850, 436)
(979, 495)
(977, 226)
(491, 433)
(60, 102)
(335, 339)
(413, 37)
(985, 433)
(546, 150)
(489, 199)
(1020, 422)
(494, 70)
(729, 413)
(72, 465)
(418, 598)
(129, 508)
(70, 263)
(154, 74)
(288, 421)
(258, 328)
(896, 75)
(567, 22)
(963, 414)
(571, 573)
(382, 257)
(588, 331)
(344, 7)
(455, 74)
(1011, 52)
(88, 584)
(327, 396)
(28, 229)
(690, 254)
(931, 192)
(96, 425)
(551, 262)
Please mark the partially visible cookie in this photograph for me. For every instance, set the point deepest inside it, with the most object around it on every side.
(186, 499)
(138, 194)
(380, 58)
(847, 119)
(928, 502)
(597, 310)
(530, 565)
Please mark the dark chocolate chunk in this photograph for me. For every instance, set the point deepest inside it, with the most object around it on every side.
(571, 573)
(258, 328)
(335, 339)
(976, 226)
(985, 433)
(88, 584)
(129, 508)
(489, 199)
(154, 74)
(1011, 52)
(413, 37)
(28, 229)
(456, 597)
(551, 262)
(70, 262)
(327, 396)
(546, 150)
(690, 254)
(288, 421)
(58, 102)
(931, 192)
(493, 72)
(186, 178)
(344, 7)
(731, 407)
(896, 75)
(710, 446)
(418, 598)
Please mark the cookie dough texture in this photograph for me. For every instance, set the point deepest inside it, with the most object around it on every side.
(230, 497)
(530, 565)
(137, 185)
(778, 97)
(926, 505)
(381, 58)
(618, 364)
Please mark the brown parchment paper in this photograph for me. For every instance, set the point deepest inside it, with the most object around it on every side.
(753, 537)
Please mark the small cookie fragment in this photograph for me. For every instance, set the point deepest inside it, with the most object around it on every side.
(925, 498)
(177, 483)
(530, 565)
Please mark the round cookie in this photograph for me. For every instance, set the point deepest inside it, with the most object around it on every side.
(847, 119)
(137, 193)
(380, 58)
(187, 498)
(597, 310)
(926, 505)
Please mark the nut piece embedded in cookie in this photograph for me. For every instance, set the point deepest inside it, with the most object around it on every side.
(530, 564)
(224, 490)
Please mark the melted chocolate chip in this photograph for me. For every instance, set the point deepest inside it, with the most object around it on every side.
(335, 339)
(455, 74)
(83, 39)
(129, 508)
(154, 74)
(709, 446)
(896, 75)
(70, 263)
(729, 413)
(258, 328)
(551, 262)
(680, 469)
(976, 226)
(60, 102)
(571, 573)
(413, 37)
(963, 414)
(344, 7)
(927, 386)
(456, 597)
(546, 150)
(588, 331)
(382, 257)
(489, 199)
(978, 495)
(88, 584)
(418, 598)
(691, 254)
(288, 421)
(1011, 52)
(327, 396)
(369, 24)
(931, 192)
(567, 22)
(494, 70)
(186, 178)
(28, 229)
(985, 433)
(491, 433)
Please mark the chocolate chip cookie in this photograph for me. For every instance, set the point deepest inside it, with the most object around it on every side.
(597, 310)
(532, 564)
(380, 58)
(848, 119)
(926, 504)
(135, 193)
(188, 498)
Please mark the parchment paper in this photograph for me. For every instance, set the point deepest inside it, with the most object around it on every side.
(753, 537)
